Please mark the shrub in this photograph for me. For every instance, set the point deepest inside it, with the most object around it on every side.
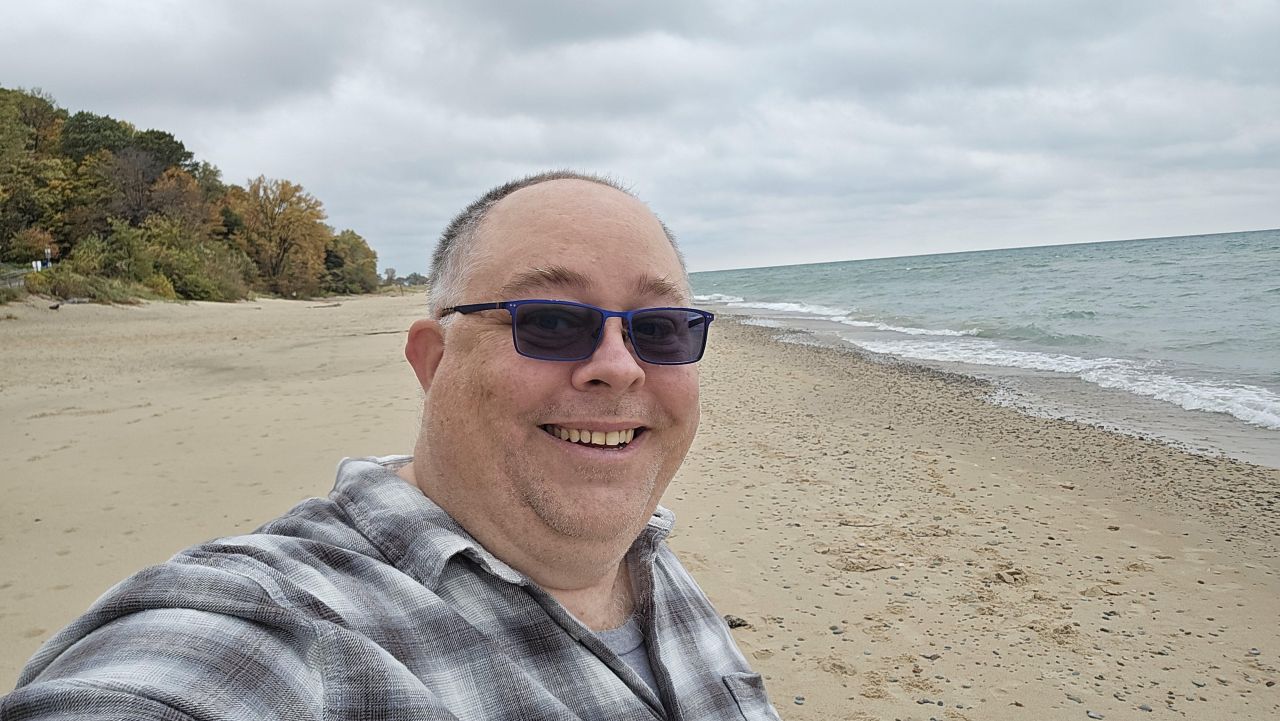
(8, 295)
(62, 281)
(29, 244)
(161, 286)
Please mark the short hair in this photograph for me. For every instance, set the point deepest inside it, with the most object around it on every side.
(448, 262)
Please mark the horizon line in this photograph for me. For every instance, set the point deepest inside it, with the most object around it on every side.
(985, 250)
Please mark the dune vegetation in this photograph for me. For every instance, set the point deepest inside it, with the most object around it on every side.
(124, 213)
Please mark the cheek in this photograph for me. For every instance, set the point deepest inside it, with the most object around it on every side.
(680, 397)
(490, 384)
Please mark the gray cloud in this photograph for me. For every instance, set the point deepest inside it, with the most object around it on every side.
(764, 133)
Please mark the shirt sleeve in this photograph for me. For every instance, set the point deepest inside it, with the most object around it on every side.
(177, 664)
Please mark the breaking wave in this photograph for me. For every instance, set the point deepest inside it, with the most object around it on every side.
(831, 313)
(1249, 403)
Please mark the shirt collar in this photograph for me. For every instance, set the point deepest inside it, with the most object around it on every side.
(419, 537)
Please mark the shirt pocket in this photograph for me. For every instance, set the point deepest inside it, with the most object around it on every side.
(747, 690)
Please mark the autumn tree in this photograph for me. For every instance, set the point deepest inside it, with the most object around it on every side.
(283, 231)
(177, 196)
(133, 213)
(131, 173)
(29, 244)
(15, 136)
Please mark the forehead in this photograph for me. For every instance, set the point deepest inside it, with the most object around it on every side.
(574, 235)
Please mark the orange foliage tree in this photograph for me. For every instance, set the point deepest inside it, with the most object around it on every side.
(283, 231)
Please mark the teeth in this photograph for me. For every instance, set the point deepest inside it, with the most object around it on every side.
(608, 439)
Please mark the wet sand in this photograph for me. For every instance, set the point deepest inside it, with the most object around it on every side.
(896, 546)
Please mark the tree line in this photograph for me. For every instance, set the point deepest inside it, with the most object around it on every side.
(132, 213)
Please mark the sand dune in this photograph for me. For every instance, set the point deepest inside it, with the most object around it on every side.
(896, 547)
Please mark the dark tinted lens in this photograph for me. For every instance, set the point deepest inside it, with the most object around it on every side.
(556, 332)
(669, 335)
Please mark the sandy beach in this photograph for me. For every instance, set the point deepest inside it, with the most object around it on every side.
(896, 547)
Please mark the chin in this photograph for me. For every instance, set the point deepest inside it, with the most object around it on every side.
(602, 516)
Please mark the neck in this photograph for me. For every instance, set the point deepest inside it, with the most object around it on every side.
(589, 578)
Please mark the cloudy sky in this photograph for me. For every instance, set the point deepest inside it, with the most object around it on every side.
(764, 133)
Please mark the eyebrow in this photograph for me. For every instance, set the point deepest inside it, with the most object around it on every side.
(550, 276)
(662, 287)
(562, 277)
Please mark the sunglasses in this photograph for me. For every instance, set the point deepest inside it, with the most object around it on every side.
(560, 330)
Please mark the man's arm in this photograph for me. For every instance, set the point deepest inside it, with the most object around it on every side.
(177, 664)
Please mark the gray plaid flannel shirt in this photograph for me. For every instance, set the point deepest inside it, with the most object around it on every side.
(375, 604)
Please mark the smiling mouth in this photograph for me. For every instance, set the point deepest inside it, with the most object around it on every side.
(595, 439)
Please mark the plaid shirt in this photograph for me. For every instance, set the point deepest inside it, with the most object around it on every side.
(375, 604)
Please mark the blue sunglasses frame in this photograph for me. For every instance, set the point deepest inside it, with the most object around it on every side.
(627, 316)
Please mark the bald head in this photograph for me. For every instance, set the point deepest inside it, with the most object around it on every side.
(548, 201)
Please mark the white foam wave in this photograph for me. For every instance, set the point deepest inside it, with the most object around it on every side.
(906, 330)
(826, 312)
(805, 308)
(1248, 403)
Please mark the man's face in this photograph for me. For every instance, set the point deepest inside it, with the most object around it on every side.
(489, 408)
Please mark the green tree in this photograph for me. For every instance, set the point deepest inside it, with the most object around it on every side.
(85, 133)
(351, 266)
(209, 178)
(92, 190)
(167, 150)
(283, 231)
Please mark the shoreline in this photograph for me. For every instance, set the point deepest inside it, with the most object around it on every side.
(1054, 395)
(923, 544)
(887, 534)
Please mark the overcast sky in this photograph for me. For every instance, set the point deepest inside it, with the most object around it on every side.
(764, 133)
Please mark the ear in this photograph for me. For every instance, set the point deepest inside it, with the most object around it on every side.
(424, 349)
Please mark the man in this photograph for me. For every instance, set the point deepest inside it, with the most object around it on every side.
(513, 568)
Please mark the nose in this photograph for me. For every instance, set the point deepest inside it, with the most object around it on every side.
(612, 364)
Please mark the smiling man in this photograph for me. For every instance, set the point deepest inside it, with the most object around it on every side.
(513, 568)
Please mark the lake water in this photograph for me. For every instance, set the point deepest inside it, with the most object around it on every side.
(1173, 337)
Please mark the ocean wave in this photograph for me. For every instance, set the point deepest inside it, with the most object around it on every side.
(1035, 334)
(718, 298)
(840, 315)
(1251, 404)
(905, 330)
(805, 308)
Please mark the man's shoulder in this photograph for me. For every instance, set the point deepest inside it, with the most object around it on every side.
(311, 566)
